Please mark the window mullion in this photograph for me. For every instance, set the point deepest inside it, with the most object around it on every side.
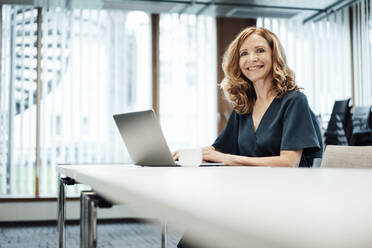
(38, 90)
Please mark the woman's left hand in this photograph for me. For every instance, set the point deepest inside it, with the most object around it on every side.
(217, 157)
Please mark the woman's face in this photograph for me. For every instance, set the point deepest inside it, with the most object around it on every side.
(255, 58)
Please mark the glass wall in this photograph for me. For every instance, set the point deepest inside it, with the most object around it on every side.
(18, 100)
(94, 63)
(188, 80)
(362, 51)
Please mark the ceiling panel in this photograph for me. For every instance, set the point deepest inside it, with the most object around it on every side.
(300, 9)
(310, 4)
(295, 9)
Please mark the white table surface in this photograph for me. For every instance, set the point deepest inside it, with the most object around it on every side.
(245, 206)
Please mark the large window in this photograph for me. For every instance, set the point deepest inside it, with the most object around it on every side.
(188, 82)
(18, 87)
(362, 51)
(94, 63)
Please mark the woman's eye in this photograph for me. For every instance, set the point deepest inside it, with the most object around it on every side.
(243, 54)
(260, 50)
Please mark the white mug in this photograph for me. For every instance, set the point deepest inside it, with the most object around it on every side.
(190, 157)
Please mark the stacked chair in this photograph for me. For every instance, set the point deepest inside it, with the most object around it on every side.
(339, 126)
(362, 126)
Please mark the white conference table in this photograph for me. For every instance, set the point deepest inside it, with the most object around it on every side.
(245, 206)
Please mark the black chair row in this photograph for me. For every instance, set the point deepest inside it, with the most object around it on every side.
(349, 128)
(339, 126)
(362, 126)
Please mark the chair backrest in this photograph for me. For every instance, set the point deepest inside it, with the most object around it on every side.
(339, 126)
(362, 128)
(347, 157)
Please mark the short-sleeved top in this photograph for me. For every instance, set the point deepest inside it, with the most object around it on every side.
(287, 124)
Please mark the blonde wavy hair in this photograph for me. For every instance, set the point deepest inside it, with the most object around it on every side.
(237, 88)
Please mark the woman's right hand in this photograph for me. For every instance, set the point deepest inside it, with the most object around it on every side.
(206, 150)
(175, 155)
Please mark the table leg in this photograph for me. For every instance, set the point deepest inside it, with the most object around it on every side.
(62, 210)
(88, 219)
(82, 219)
(164, 235)
(61, 214)
(92, 223)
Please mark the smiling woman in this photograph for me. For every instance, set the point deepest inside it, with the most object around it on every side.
(272, 123)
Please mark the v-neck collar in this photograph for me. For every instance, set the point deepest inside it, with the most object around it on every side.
(262, 119)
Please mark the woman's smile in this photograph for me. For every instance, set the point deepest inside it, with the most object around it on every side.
(254, 68)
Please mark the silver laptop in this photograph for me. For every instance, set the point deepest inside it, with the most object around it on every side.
(144, 139)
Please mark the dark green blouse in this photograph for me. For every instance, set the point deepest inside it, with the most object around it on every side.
(288, 124)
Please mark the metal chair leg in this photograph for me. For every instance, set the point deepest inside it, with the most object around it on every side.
(88, 219)
(89, 201)
(62, 210)
(164, 235)
(61, 214)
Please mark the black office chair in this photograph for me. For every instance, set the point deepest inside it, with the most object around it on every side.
(339, 126)
(362, 126)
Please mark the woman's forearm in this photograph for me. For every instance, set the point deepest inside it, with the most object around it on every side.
(280, 161)
(285, 159)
